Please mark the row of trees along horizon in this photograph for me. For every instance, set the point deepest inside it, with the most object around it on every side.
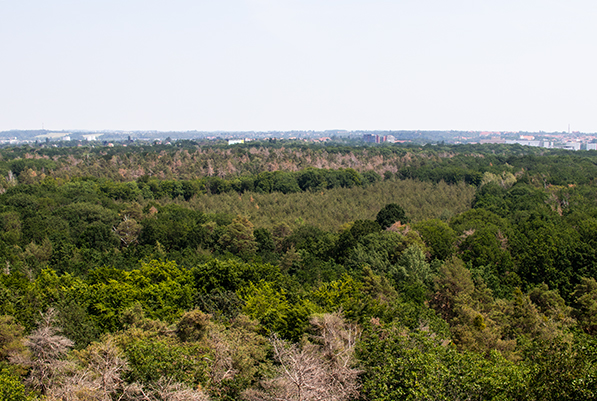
(293, 272)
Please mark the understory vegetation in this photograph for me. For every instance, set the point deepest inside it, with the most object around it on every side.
(294, 272)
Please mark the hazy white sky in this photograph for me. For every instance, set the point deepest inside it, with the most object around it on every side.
(298, 64)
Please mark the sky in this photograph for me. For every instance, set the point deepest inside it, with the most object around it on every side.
(266, 65)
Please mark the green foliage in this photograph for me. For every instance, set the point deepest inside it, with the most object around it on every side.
(267, 305)
(312, 241)
(416, 365)
(412, 268)
(585, 304)
(264, 239)
(153, 359)
(550, 303)
(192, 326)
(74, 319)
(545, 252)
(438, 236)
(85, 218)
(453, 282)
(11, 336)
(560, 370)
(274, 312)
(485, 242)
(311, 179)
(349, 238)
(343, 295)
(497, 302)
(330, 209)
(232, 275)
(371, 177)
(11, 388)
(174, 227)
(381, 250)
(10, 224)
(238, 237)
(161, 288)
(390, 214)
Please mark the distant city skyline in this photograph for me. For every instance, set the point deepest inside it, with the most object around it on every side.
(282, 65)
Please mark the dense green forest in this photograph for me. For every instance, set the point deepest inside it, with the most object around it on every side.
(286, 271)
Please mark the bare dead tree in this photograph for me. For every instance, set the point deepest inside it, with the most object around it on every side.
(222, 364)
(167, 391)
(318, 371)
(337, 340)
(101, 374)
(47, 349)
(108, 363)
(97, 377)
(128, 231)
(76, 387)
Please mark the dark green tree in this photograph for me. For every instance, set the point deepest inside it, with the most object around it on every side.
(390, 214)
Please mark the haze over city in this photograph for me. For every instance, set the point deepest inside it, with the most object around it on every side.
(261, 65)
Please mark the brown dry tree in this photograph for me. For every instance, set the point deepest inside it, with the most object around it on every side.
(324, 369)
(47, 349)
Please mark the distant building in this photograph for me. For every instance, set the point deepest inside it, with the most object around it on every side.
(370, 138)
(571, 146)
(54, 136)
(235, 141)
(591, 146)
(12, 140)
(537, 144)
(518, 142)
(91, 137)
(492, 140)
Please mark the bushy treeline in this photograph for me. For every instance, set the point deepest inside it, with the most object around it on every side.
(375, 292)
(237, 168)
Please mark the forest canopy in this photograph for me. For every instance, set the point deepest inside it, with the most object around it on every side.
(288, 271)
